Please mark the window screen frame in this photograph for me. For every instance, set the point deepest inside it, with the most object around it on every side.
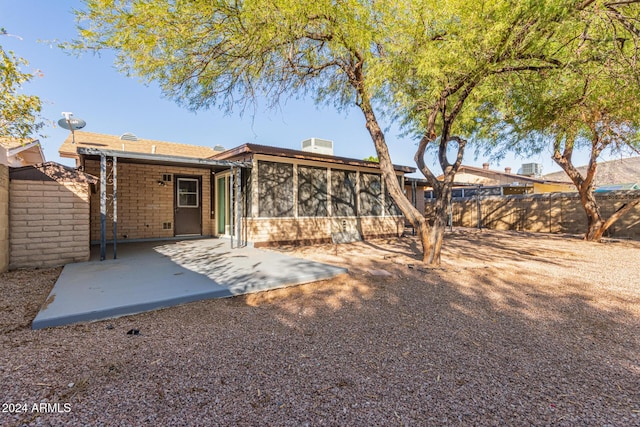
(323, 203)
(335, 201)
(290, 201)
(196, 193)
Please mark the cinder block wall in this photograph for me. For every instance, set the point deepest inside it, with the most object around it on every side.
(4, 218)
(144, 206)
(549, 213)
(48, 223)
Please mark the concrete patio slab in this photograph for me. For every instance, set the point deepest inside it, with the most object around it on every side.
(152, 275)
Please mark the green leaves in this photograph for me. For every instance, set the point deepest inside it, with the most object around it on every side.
(456, 67)
(19, 113)
(590, 100)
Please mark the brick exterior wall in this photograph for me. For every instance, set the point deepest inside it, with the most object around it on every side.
(270, 231)
(145, 207)
(4, 218)
(547, 213)
(48, 223)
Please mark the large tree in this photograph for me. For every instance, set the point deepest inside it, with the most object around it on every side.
(590, 104)
(446, 75)
(429, 64)
(229, 53)
(19, 113)
(597, 128)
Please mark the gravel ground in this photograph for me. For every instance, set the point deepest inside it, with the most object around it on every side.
(514, 329)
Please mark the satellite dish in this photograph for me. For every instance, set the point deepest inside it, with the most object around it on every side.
(72, 123)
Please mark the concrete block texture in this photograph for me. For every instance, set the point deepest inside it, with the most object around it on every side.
(143, 205)
(550, 213)
(4, 218)
(44, 217)
(269, 231)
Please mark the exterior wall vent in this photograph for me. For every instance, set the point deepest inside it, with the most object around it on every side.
(128, 137)
(317, 145)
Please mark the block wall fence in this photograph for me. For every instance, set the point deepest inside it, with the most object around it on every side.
(48, 223)
(545, 213)
(4, 218)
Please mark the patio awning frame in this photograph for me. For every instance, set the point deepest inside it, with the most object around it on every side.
(132, 157)
(162, 159)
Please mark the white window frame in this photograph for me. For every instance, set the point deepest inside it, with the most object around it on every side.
(197, 192)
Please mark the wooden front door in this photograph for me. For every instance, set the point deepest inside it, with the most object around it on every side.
(188, 206)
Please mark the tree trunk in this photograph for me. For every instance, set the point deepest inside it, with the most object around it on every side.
(595, 222)
(424, 231)
(619, 213)
(436, 236)
(442, 190)
(415, 217)
(598, 225)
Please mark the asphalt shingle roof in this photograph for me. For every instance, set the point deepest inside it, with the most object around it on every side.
(113, 142)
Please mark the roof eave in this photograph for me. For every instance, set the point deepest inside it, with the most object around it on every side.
(293, 154)
(160, 158)
(15, 150)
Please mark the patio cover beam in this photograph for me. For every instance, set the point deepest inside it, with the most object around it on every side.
(238, 203)
(162, 158)
(231, 207)
(114, 171)
(103, 207)
(152, 158)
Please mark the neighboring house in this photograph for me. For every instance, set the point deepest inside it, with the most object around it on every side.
(486, 176)
(470, 179)
(629, 186)
(20, 152)
(609, 173)
(266, 195)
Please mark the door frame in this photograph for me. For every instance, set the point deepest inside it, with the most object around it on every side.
(226, 175)
(198, 179)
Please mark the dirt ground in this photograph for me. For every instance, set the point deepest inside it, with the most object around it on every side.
(513, 329)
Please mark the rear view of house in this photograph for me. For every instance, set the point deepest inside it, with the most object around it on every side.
(265, 195)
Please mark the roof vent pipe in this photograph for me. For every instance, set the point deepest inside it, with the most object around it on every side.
(485, 166)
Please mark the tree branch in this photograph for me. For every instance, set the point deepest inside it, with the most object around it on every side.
(624, 21)
(621, 3)
(620, 212)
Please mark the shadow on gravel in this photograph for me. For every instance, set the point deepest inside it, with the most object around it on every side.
(494, 337)
(495, 341)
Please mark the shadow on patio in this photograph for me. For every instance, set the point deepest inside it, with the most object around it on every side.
(152, 275)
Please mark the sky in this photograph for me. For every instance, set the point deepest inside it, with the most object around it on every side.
(92, 89)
